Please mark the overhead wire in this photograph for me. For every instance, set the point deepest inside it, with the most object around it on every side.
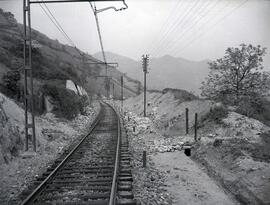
(205, 23)
(57, 22)
(56, 25)
(176, 25)
(213, 25)
(201, 14)
(166, 22)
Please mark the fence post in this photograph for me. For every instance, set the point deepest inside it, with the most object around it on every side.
(186, 120)
(195, 126)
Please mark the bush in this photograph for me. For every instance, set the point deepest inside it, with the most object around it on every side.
(11, 83)
(67, 103)
(255, 107)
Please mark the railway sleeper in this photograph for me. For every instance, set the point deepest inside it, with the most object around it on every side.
(86, 167)
(125, 194)
(82, 188)
(107, 179)
(75, 176)
(125, 175)
(83, 197)
(93, 202)
(126, 202)
(125, 178)
(98, 171)
(124, 187)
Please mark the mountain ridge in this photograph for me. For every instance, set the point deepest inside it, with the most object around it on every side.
(165, 71)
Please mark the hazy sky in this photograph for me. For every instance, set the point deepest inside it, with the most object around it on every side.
(192, 29)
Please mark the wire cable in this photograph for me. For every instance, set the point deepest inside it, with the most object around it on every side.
(61, 28)
(48, 15)
(205, 10)
(179, 21)
(213, 25)
(166, 22)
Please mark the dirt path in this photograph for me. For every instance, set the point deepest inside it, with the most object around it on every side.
(188, 183)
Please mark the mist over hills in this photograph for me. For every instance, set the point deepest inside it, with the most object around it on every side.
(166, 71)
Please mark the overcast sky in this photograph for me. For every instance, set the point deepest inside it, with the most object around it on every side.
(192, 29)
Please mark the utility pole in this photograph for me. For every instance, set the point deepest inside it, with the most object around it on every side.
(107, 83)
(145, 63)
(122, 97)
(28, 71)
(28, 98)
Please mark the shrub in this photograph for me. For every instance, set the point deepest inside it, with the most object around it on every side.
(67, 103)
(11, 83)
(255, 107)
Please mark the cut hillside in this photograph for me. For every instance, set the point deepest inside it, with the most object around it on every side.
(55, 63)
(235, 151)
(166, 71)
(19, 168)
(232, 148)
(167, 108)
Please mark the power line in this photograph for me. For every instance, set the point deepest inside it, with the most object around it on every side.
(61, 30)
(165, 23)
(198, 18)
(56, 23)
(208, 20)
(179, 21)
(47, 14)
(183, 22)
(213, 25)
(60, 26)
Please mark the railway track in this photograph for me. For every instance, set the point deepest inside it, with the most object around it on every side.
(96, 171)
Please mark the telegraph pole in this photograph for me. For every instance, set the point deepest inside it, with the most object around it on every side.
(28, 98)
(145, 62)
(28, 70)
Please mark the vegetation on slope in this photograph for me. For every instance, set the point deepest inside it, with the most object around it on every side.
(238, 79)
(53, 64)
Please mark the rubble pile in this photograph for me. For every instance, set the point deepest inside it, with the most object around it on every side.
(143, 125)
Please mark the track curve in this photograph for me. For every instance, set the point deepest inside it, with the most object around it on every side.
(96, 171)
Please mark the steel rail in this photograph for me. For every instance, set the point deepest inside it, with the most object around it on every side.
(116, 164)
(69, 1)
(39, 188)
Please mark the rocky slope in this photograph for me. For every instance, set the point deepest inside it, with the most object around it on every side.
(167, 109)
(19, 168)
(233, 149)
